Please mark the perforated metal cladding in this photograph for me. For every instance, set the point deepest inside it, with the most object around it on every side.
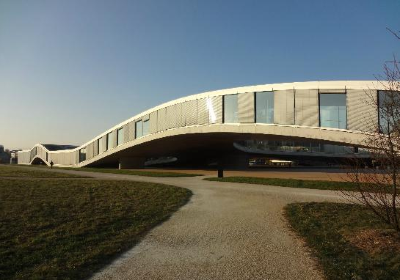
(76, 158)
(114, 139)
(131, 130)
(104, 142)
(126, 132)
(307, 113)
(162, 119)
(153, 122)
(246, 107)
(284, 107)
(202, 111)
(189, 110)
(362, 111)
(217, 107)
(180, 121)
(172, 117)
(95, 148)
(343, 90)
(89, 151)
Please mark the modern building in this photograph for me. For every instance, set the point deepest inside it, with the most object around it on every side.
(310, 121)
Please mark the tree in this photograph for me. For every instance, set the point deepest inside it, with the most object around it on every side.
(379, 187)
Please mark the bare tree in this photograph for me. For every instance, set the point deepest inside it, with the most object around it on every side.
(378, 187)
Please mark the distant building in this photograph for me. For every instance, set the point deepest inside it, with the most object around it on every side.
(14, 156)
(4, 156)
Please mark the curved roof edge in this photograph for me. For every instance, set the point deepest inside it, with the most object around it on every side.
(339, 85)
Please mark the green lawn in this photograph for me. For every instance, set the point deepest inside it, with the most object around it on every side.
(22, 171)
(291, 183)
(349, 241)
(68, 229)
(147, 173)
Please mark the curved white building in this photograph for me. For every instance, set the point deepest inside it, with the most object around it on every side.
(337, 112)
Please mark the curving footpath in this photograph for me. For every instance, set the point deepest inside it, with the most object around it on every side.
(226, 231)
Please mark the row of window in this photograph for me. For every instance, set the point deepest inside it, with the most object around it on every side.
(332, 109)
(141, 129)
(332, 113)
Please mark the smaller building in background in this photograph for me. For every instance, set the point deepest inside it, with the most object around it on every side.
(4, 155)
(14, 156)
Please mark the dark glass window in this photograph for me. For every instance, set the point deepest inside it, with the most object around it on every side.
(82, 154)
(332, 110)
(389, 110)
(231, 108)
(265, 107)
(120, 136)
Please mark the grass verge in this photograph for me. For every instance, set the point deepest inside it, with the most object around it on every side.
(292, 183)
(23, 172)
(349, 241)
(68, 229)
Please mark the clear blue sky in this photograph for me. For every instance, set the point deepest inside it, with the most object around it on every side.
(70, 70)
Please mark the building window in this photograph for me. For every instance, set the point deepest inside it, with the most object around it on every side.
(265, 107)
(388, 110)
(120, 136)
(109, 141)
(332, 110)
(99, 146)
(146, 127)
(231, 108)
(82, 154)
(138, 129)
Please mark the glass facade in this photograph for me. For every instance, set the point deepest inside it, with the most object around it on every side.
(82, 154)
(120, 136)
(294, 147)
(332, 110)
(138, 129)
(231, 108)
(146, 127)
(264, 107)
(389, 110)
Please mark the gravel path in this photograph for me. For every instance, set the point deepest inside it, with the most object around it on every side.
(226, 231)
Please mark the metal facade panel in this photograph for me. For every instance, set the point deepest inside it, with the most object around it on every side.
(104, 141)
(76, 156)
(362, 111)
(114, 139)
(189, 110)
(132, 130)
(95, 148)
(216, 102)
(172, 115)
(126, 132)
(202, 111)
(332, 90)
(89, 151)
(180, 120)
(284, 107)
(153, 122)
(246, 107)
(306, 102)
(162, 119)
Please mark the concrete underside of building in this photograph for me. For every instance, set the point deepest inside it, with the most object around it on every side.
(203, 129)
